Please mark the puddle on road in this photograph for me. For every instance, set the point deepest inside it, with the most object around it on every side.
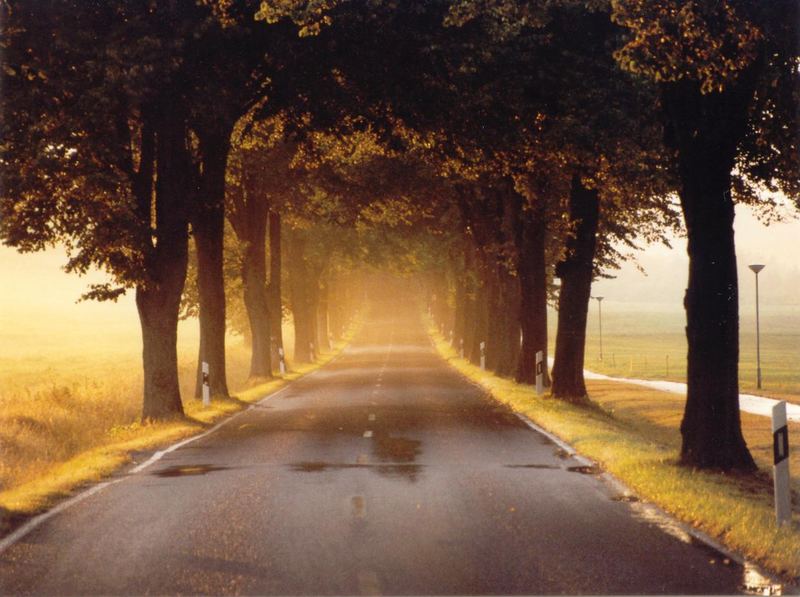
(409, 472)
(395, 449)
(188, 470)
(534, 466)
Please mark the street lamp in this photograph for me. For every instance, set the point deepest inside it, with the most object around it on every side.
(756, 267)
(599, 300)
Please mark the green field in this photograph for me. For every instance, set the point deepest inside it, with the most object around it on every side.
(648, 342)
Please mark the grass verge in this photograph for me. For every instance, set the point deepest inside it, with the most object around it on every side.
(632, 433)
(121, 443)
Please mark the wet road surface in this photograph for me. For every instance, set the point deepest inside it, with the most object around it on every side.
(383, 473)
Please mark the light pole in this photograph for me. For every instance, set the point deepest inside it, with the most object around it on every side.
(756, 267)
(599, 300)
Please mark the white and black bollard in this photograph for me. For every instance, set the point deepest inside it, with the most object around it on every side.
(281, 360)
(206, 385)
(461, 347)
(483, 356)
(780, 453)
(539, 372)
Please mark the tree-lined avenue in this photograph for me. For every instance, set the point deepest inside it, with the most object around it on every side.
(384, 472)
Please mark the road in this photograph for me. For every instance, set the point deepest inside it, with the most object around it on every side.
(385, 472)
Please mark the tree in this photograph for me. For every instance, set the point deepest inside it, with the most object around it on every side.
(96, 156)
(728, 81)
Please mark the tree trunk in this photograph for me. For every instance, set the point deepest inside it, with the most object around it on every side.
(299, 297)
(323, 331)
(274, 287)
(481, 317)
(254, 274)
(706, 130)
(459, 317)
(166, 260)
(532, 268)
(494, 316)
(208, 225)
(573, 302)
(508, 315)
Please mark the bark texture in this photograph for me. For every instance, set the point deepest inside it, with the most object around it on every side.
(274, 287)
(162, 201)
(300, 297)
(532, 268)
(208, 226)
(575, 272)
(705, 130)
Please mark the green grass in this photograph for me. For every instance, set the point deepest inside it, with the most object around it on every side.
(651, 344)
(632, 432)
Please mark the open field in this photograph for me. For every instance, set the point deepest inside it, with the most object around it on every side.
(648, 342)
(63, 394)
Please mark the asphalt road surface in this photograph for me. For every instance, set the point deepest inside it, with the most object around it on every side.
(383, 473)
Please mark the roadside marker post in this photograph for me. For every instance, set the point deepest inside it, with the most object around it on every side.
(780, 452)
(281, 360)
(483, 356)
(539, 372)
(206, 386)
(461, 347)
(451, 337)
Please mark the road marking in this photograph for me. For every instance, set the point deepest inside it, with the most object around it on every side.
(37, 520)
(371, 416)
(368, 583)
(359, 506)
(368, 433)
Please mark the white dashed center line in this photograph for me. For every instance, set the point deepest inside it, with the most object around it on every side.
(368, 433)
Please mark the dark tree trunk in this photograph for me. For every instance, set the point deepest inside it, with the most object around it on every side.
(706, 129)
(508, 326)
(299, 294)
(254, 274)
(274, 288)
(481, 318)
(460, 315)
(158, 302)
(247, 213)
(532, 268)
(208, 225)
(573, 301)
(494, 319)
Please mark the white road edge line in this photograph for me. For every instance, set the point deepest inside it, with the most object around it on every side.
(37, 520)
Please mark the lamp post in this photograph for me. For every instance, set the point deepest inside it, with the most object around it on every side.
(756, 268)
(599, 300)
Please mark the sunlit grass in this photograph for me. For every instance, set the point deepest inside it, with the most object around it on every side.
(652, 345)
(633, 433)
(62, 427)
